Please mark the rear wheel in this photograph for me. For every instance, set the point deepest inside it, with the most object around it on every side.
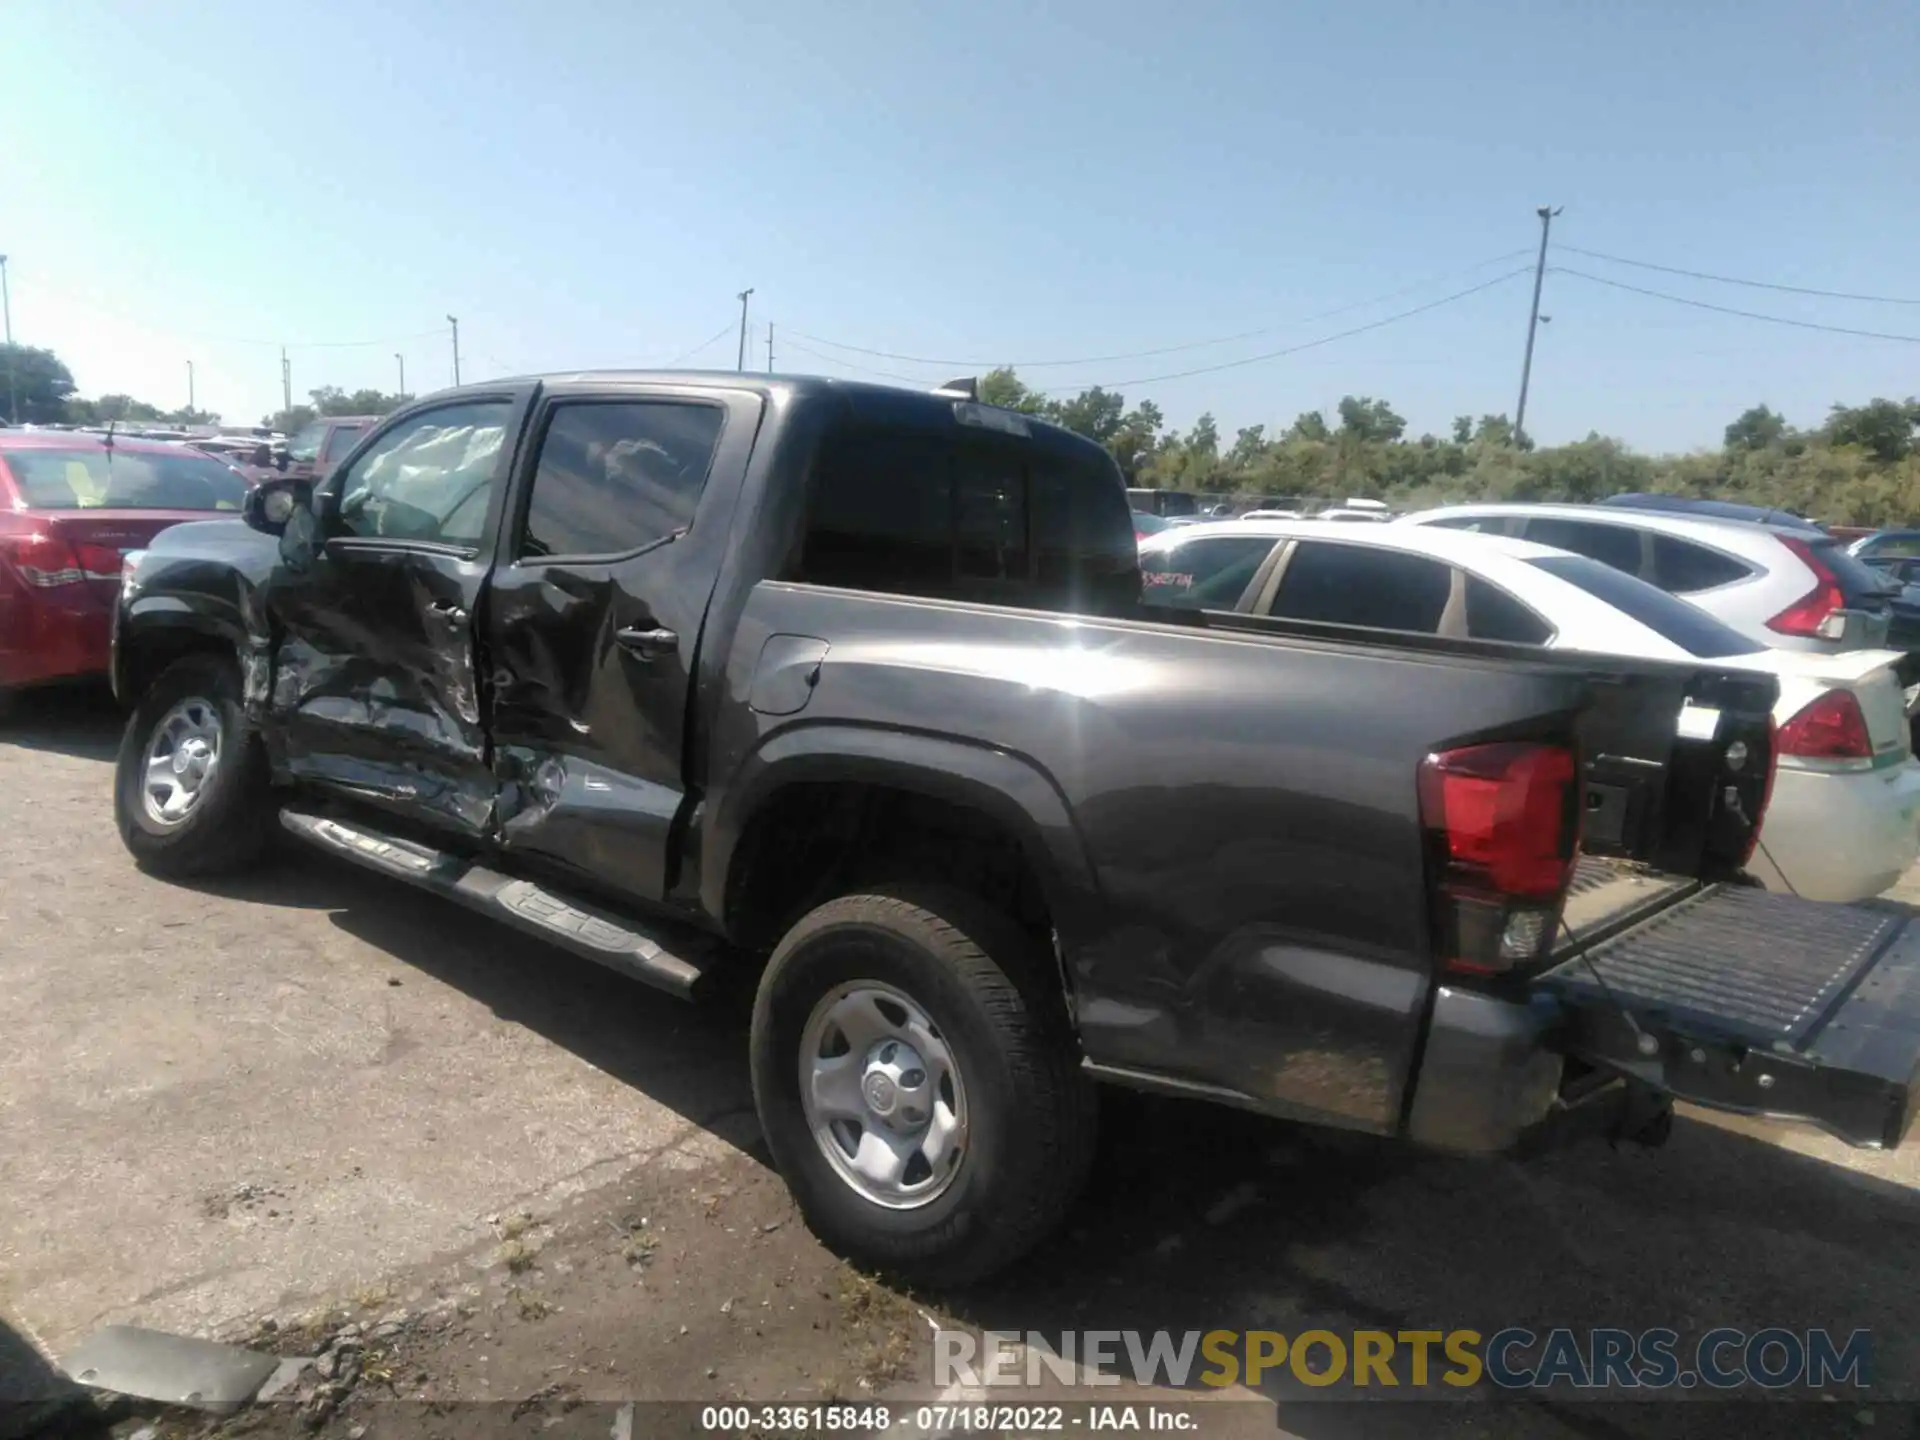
(918, 1085)
(191, 793)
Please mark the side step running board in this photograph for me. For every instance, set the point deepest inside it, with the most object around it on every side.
(571, 924)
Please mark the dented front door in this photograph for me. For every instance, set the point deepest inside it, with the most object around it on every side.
(375, 689)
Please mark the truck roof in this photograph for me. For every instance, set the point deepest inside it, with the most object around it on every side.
(896, 404)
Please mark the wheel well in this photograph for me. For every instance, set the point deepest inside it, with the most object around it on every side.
(149, 656)
(817, 839)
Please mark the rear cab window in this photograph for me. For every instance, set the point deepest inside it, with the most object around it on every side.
(969, 514)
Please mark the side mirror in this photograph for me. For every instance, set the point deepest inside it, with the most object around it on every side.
(272, 503)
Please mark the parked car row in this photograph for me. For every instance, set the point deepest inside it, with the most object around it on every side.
(1845, 819)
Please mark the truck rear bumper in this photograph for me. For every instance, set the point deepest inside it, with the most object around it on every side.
(1488, 1074)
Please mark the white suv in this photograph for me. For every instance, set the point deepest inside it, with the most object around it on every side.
(1782, 586)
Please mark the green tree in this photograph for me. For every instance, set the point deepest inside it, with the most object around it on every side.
(1308, 425)
(1462, 429)
(1004, 388)
(1756, 429)
(332, 400)
(1494, 430)
(1097, 414)
(1366, 419)
(1249, 448)
(37, 382)
(1882, 428)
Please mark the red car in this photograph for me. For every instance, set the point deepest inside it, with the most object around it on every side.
(71, 506)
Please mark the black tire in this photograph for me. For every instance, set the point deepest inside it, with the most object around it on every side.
(232, 825)
(1031, 1115)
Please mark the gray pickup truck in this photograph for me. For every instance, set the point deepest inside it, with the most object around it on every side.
(850, 693)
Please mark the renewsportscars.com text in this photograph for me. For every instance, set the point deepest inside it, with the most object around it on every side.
(1510, 1359)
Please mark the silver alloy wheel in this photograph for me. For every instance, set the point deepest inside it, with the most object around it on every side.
(883, 1096)
(183, 752)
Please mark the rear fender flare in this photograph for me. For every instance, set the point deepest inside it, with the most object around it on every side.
(1008, 788)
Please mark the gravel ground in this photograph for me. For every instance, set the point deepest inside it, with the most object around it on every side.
(329, 1101)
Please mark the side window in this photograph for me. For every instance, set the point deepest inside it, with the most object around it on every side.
(1203, 574)
(1363, 585)
(616, 476)
(429, 478)
(1493, 614)
(1681, 567)
(880, 515)
(1613, 545)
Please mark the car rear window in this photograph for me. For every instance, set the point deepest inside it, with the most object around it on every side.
(1682, 567)
(912, 513)
(1672, 619)
(123, 480)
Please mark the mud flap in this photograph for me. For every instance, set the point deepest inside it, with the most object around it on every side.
(1741, 1000)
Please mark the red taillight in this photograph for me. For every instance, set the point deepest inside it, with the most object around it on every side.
(1831, 728)
(101, 562)
(1503, 823)
(1807, 614)
(44, 561)
(1504, 811)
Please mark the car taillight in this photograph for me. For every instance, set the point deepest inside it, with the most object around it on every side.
(1503, 831)
(1807, 614)
(1831, 728)
(44, 561)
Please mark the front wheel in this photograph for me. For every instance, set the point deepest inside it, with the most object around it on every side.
(918, 1085)
(191, 793)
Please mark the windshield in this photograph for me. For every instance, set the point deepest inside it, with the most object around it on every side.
(99, 478)
(1672, 619)
(304, 448)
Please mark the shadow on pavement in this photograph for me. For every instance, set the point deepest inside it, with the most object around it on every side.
(35, 1398)
(1201, 1219)
(79, 720)
(690, 1058)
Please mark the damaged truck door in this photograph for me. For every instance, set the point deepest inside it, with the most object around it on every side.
(374, 687)
(593, 623)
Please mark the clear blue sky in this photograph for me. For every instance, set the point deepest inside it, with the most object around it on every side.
(590, 184)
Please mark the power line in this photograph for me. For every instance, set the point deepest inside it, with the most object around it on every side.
(1163, 349)
(686, 355)
(792, 344)
(1730, 280)
(1314, 344)
(1729, 310)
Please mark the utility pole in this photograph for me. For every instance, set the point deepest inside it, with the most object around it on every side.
(403, 373)
(456, 348)
(286, 383)
(1546, 214)
(6, 303)
(742, 364)
(769, 347)
(190, 407)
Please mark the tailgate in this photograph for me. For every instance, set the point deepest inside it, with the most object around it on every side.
(1762, 1004)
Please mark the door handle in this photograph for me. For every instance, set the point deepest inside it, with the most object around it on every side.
(448, 609)
(647, 644)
